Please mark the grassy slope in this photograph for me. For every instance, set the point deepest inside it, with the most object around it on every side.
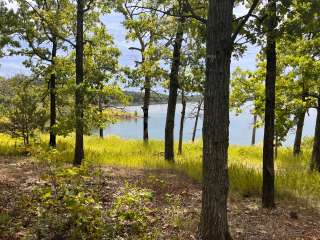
(293, 181)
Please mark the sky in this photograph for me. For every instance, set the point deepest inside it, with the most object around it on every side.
(10, 66)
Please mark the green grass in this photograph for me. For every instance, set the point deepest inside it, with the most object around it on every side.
(293, 181)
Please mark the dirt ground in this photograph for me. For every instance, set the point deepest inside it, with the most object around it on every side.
(18, 175)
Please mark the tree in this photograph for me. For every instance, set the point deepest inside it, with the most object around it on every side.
(83, 7)
(268, 141)
(315, 159)
(8, 25)
(100, 83)
(173, 91)
(101, 79)
(214, 223)
(220, 44)
(247, 87)
(301, 40)
(198, 109)
(191, 75)
(298, 136)
(79, 93)
(183, 114)
(24, 108)
(178, 13)
(37, 27)
(297, 87)
(147, 29)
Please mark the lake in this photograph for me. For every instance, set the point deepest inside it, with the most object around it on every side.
(240, 126)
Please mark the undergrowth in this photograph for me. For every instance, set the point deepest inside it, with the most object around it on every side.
(293, 180)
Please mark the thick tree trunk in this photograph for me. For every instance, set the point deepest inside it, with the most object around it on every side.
(196, 121)
(268, 142)
(79, 93)
(315, 161)
(145, 108)
(298, 137)
(173, 94)
(254, 130)
(214, 220)
(52, 86)
(183, 114)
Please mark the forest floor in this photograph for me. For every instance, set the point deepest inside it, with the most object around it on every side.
(175, 207)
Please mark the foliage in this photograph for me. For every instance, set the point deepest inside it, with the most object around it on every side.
(130, 213)
(24, 108)
(8, 24)
(247, 88)
(146, 31)
(68, 207)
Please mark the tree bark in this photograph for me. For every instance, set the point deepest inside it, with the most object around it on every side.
(145, 108)
(276, 146)
(183, 114)
(79, 94)
(173, 93)
(101, 132)
(315, 160)
(268, 142)
(101, 115)
(254, 130)
(196, 121)
(214, 220)
(52, 86)
(298, 137)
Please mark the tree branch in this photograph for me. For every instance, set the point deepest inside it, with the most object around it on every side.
(244, 21)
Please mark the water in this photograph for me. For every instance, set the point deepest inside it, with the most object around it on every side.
(240, 126)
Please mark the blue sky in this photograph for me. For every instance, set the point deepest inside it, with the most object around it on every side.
(10, 66)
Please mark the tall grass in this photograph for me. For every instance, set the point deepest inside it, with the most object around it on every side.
(9, 146)
(293, 181)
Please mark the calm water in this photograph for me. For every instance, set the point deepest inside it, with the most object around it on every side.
(240, 126)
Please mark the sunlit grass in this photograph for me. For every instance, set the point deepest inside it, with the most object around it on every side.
(293, 181)
(8, 145)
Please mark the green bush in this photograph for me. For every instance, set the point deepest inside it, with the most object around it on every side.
(68, 206)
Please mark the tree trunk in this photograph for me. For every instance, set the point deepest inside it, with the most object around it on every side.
(254, 130)
(196, 121)
(145, 108)
(52, 86)
(214, 220)
(173, 93)
(101, 132)
(101, 115)
(183, 114)
(276, 147)
(27, 132)
(268, 142)
(315, 161)
(79, 94)
(299, 130)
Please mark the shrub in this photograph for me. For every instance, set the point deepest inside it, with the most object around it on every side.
(68, 207)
